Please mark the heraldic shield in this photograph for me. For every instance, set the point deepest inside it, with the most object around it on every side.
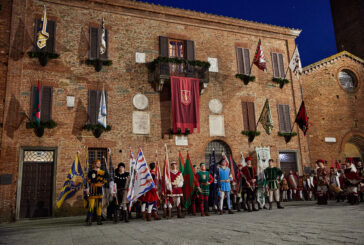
(185, 104)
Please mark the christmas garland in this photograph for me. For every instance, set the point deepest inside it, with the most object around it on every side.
(250, 133)
(40, 54)
(245, 78)
(175, 60)
(280, 81)
(287, 136)
(93, 127)
(48, 124)
(103, 62)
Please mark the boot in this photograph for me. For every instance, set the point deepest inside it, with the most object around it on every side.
(279, 205)
(126, 216)
(169, 213)
(179, 212)
(230, 211)
(116, 215)
(89, 219)
(245, 206)
(164, 212)
(238, 204)
(149, 217)
(270, 206)
(155, 216)
(249, 207)
(253, 207)
(144, 215)
(206, 208)
(202, 213)
(99, 222)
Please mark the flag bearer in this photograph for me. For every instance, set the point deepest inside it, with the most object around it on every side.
(96, 178)
(272, 175)
(122, 179)
(204, 179)
(177, 192)
(249, 183)
(322, 183)
(224, 186)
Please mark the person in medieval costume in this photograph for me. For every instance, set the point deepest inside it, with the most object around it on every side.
(204, 179)
(195, 196)
(352, 181)
(334, 184)
(225, 178)
(249, 183)
(96, 178)
(240, 195)
(177, 192)
(311, 183)
(273, 175)
(149, 199)
(122, 179)
(361, 185)
(284, 188)
(322, 183)
(293, 184)
(300, 188)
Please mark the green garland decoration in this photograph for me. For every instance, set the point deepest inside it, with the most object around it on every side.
(280, 81)
(48, 124)
(93, 127)
(287, 136)
(93, 62)
(179, 131)
(175, 60)
(250, 133)
(245, 78)
(39, 54)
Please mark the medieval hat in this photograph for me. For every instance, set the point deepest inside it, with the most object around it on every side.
(248, 159)
(152, 165)
(320, 160)
(202, 164)
(121, 165)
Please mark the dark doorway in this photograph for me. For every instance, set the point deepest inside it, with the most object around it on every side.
(288, 161)
(219, 146)
(37, 184)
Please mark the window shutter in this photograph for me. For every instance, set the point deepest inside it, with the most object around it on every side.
(287, 118)
(32, 98)
(46, 104)
(190, 50)
(246, 56)
(51, 29)
(163, 52)
(245, 116)
(275, 65)
(251, 116)
(281, 65)
(239, 60)
(92, 106)
(94, 43)
(105, 55)
(281, 118)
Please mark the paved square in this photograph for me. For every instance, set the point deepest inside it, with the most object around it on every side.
(298, 223)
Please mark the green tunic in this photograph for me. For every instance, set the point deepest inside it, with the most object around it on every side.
(272, 175)
(203, 179)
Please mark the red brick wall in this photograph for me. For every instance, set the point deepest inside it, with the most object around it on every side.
(135, 27)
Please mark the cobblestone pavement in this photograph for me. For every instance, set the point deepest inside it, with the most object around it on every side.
(298, 223)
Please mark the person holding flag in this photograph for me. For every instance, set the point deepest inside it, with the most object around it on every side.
(96, 178)
(177, 182)
(249, 183)
(122, 179)
(272, 175)
(225, 178)
(215, 184)
(204, 179)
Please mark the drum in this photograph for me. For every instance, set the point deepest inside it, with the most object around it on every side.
(335, 188)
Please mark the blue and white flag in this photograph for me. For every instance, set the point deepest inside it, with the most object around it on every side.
(102, 110)
(43, 35)
(141, 180)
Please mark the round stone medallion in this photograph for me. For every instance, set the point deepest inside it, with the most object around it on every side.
(215, 106)
(140, 101)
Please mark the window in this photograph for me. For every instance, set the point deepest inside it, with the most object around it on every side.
(278, 66)
(243, 60)
(51, 29)
(284, 118)
(97, 154)
(95, 40)
(348, 80)
(46, 102)
(249, 116)
(94, 97)
(176, 48)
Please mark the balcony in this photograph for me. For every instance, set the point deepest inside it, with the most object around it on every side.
(163, 68)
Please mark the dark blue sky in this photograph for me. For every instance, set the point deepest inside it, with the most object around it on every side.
(313, 17)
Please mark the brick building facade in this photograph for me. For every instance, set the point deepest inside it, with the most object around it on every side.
(333, 90)
(135, 30)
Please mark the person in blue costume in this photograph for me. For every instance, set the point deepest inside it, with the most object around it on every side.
(224, 186)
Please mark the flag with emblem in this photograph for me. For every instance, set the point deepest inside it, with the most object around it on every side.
(102, 109)
(266, 118)
(295, 63)
(302, 119)
(73, 182)
(259, 59)
(36, 106)
(103, 38)
(185, 104)
(43, 35)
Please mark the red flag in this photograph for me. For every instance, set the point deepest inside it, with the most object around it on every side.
(302, 119)
(181, 164)
(337, 165)
(185, 104)
(259, 59)
(189, 182)
(36, 107)
(157, 172)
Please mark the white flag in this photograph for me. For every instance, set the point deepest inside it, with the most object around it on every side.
(242, 161)
(103, 38)
(102, 109)
(295, 63)
(43, 35)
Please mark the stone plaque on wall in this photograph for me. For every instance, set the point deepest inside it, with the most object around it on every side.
(215, 106)
(213, 64)
(181, 140)
(140, 101)
(139, 57)
(141, 123)
(217, 127)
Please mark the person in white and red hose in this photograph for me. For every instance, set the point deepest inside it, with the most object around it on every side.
(177, 192)
(352, 181)
(249, 183)
(322, 183)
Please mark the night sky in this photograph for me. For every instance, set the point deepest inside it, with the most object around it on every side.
(313, 17)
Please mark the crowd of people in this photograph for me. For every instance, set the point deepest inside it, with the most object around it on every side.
(234, 190)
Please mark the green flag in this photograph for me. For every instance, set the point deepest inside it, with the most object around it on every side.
(188, 185)
(266, 118)
(180, 163)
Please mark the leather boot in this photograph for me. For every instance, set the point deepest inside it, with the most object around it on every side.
(253, 207)
(202, 213)
(89, 219)
(149, 217)
(164, 212)
(179, 213)
(99, 222)
(116, 215)
(245, 208)
(206, 208)
(169, 213)
(270, 206)
(279, 205)
(144, 215)
(249, 207)
(238, 204)
(126, 216)
(155, 216)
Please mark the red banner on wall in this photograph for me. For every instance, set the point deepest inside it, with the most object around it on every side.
(185, 103)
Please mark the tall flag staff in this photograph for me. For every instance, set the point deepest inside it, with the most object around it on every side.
(43, 35)
(166, 181)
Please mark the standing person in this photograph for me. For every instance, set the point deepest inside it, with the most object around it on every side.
(224, 186)
(195, 197)
(240, 194)
(361, 185)
(96, 178)
(293, 184)
(272, 175)
(284, 189)
(204, 179)
(335, 187)
(311, 182)
(122, 179)
(322, 183)
(300, 188)
(177, 192)
(352, 180)
(249, 183)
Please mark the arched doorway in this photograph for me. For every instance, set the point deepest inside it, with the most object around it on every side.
(354, 148)
(219, 146)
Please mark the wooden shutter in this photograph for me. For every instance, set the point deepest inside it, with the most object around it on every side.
(51, 29)
(105, 55)
(281, 118)
(46, 104)
(251, 116)
(275, 65)
(245, 116)
(246, 59)
(281, 65)
(239, 60)
(94, 43)
(190, 50)
(243, 60)
(163, 52)
(284, 118)
(32, 99)
(92, 106)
